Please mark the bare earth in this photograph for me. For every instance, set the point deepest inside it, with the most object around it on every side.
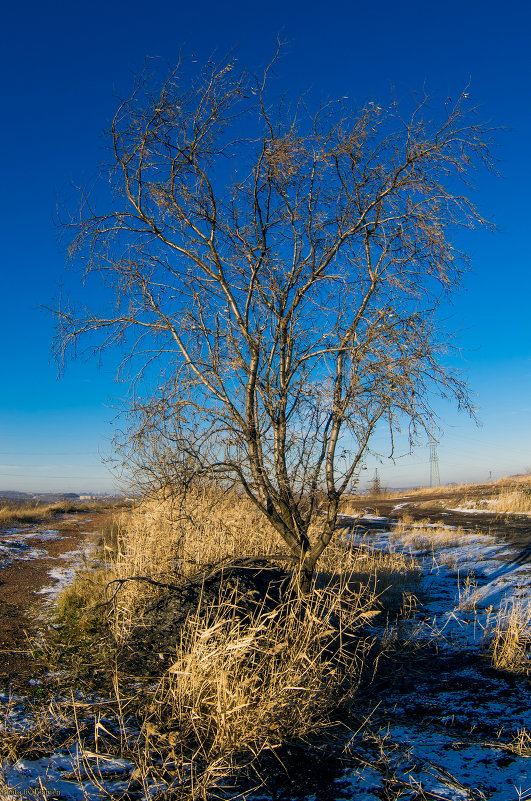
(21, 581)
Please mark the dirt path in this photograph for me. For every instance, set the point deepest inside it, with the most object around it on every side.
(28, 557)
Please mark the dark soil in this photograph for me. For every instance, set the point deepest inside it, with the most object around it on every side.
(251, 586)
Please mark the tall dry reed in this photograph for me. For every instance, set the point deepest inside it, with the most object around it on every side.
(508, 637)
(240, 688)
(517, 500)
(177, 535)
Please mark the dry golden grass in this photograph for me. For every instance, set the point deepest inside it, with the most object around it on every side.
(521, 482)
(420, 491)
(235, 690)
(520, 744)
(517, 501)
(80, 606)
(467, 588)
(192, 529)
(239, 689)
(507, 495)
(425, 538)
(390, 575)
(180, 534)
(13, 513)
(509, 638)
(166, 537)
(515, 481)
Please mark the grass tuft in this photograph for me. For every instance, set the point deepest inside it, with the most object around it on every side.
(508, 638)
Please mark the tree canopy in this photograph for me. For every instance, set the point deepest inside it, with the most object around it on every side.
(272, 275)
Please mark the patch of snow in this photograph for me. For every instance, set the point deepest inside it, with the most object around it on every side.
(17, 552)
(71, 773)
(44, 536)
(64, 576)
(10, 531)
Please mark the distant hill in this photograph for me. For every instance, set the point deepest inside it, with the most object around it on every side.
(42, 497)
(15, 495)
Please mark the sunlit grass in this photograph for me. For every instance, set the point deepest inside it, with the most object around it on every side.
(26, 513)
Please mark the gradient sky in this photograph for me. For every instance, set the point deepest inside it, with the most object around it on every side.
(63, 65)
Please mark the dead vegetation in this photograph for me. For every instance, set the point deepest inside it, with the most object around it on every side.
(25, 513)
(249, 666)
(238, 689)
(425, 537)
(515, 501)
(510, 495)
(508, 638)
(253, 664)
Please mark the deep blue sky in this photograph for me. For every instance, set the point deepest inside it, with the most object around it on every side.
(63, 66)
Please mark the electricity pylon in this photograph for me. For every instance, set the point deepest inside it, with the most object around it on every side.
(435, 478)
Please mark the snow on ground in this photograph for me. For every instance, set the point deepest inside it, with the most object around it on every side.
(70, 774)
(62, 577)
(429, 761)
(467, 585)
(16, 544)
(462, 731)
(455, 729)
(17, 552)
(470, 510)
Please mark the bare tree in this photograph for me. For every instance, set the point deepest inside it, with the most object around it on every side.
(272, 276)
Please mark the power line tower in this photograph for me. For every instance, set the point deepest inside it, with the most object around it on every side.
(435, 478)
(376, 487)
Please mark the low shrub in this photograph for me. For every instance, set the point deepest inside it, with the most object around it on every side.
(425, 538)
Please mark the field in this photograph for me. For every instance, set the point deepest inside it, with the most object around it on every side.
(174, 658)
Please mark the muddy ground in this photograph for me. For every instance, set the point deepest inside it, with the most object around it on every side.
(23, 579)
